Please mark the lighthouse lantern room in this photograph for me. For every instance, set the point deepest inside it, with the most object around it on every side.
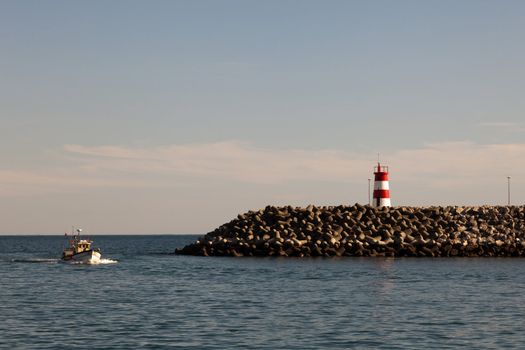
(381, 187)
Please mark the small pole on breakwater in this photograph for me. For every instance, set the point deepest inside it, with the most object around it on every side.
(508, 190)
(369, 200)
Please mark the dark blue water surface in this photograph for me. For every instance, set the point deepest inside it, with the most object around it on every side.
(152, 300)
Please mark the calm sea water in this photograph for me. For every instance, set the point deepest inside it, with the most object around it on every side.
(152, 300)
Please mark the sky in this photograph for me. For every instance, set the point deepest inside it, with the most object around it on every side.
(166, 117)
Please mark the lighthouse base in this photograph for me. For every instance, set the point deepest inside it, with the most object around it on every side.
(382, 202)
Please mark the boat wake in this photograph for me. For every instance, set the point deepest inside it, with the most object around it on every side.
(98, 262)
(56, 261)
(35, 260)
(106, 261)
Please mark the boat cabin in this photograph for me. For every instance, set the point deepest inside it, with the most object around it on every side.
(82, 246)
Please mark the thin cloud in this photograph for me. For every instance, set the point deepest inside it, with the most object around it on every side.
(230, 160)
(499, 124)
(434, 166)
(238, 161)
(62, 180)
(505, 126)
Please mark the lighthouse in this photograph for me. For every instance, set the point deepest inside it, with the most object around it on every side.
(381, 188)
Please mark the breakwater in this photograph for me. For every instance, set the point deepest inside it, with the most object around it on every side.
(366, 231)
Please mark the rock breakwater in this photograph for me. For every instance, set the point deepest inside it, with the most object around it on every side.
(366, 231)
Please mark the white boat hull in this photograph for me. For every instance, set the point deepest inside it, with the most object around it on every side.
(87, 257)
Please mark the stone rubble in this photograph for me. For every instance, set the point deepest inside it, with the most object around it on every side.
(361, 230)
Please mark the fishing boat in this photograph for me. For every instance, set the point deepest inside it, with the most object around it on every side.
(79, 250)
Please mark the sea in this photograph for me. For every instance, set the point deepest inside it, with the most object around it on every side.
(143, 297)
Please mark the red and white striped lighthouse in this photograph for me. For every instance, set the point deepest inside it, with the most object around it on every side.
(381, 188)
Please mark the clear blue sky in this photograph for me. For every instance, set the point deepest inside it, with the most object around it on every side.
(173, 116)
